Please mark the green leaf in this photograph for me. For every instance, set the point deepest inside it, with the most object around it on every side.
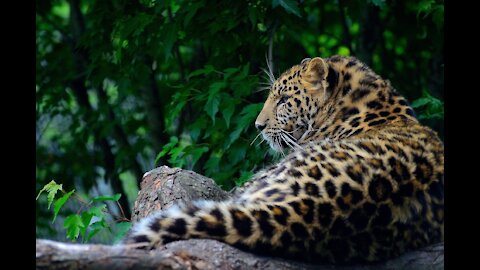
(420, 102)
(166, 148)
(102, 198)
(247, 116)
(121, 229)
(289, 5)
(203, 71)
(95, 228)
(227, 112)
(73, 224)
(98, 211)
(211, 107)
(244, 177)
(86, 218)
(196, 153)
(59, 203)
(52, 189)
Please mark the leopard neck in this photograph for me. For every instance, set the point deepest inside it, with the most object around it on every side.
(358, 101)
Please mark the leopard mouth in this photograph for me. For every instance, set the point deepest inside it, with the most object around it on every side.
(279, 139)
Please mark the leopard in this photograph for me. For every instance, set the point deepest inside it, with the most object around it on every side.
(362, 179)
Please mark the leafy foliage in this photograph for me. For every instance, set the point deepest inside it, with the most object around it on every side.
(124, 86)
(88, 222)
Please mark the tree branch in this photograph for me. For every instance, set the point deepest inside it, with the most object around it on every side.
(165, 186)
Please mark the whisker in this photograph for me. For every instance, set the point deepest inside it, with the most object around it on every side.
(286, 141)
(255, 138)
(263, 139)
(291, 141)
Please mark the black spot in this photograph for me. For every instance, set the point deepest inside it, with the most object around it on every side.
(312, 189)
(410, 112)
(271, 192)
(141, 239)
(279, 170)
(399, 171)
(280, 214)
(263, 218)
(155, 226)
(286, 239)
(297, 101)
(340, 249)
(359, 94)
(371, 148)
(369, 83)
(347, 113)
(315, 173)
(179, 227)
(384, 216)
(384, 113)
(295, 87)
(342, 204)
(378, 122)
(299, 230)
(332, 79)
(346, 89)
(403, 102)
(241, 222)
(357, 196)
(380, 189)
(351, 64)
(370, 116)
(347, 77)
(335, 59)
(391, 117)
(331, 189)
(216, 229)
(358, 219)
(356, 176)
(345, 189)
(295, 188)
(374, 105)
(284, 81)
(397, 110)
(331, 169)
(325, 214)
(168, 239)
(424, 170)
(295, 173)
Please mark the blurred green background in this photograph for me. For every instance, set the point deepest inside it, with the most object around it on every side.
(124, 86)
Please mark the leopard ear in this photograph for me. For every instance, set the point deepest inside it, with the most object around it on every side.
(316, 71)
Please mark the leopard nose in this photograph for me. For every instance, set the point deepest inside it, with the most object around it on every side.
(260, 126)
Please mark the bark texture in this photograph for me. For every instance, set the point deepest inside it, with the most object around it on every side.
(163, 187)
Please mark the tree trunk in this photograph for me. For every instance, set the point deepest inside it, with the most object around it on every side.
(161, 188)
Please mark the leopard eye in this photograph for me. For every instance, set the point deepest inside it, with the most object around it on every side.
(283, 99)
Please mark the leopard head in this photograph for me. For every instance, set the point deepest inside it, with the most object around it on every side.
(294, 100)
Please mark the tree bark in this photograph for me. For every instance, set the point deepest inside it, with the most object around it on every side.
(161, 188)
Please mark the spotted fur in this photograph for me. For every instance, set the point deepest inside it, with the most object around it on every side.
(363, 180)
